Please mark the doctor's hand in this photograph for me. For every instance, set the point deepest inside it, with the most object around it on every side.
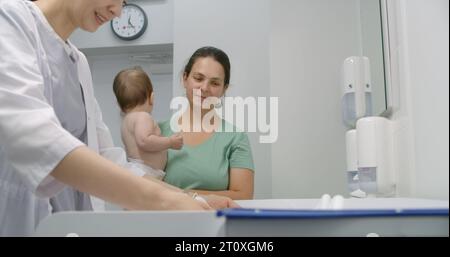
(181, 201)
(176, 141)
(220, 202)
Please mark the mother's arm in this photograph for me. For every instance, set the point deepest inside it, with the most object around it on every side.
(241, 185)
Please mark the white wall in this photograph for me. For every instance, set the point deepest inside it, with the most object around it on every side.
(159, 30)
(309, 42)
(423, 114)
(241, 29)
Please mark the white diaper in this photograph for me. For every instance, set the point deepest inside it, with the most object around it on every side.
(140, 168)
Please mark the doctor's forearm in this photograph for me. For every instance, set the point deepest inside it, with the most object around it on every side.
(86, 171)
(162, 183)
(235, 195)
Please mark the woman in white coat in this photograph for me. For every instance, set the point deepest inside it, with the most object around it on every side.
(51, 129)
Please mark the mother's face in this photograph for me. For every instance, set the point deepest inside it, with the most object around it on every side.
(89, 15)
(208, 77)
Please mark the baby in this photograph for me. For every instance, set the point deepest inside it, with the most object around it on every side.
(146, 148)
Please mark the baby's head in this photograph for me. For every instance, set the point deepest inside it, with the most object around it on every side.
(133, 90)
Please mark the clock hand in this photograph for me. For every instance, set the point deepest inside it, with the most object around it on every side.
(129, 22)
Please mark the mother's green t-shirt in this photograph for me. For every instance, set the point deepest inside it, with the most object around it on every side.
(206, 166)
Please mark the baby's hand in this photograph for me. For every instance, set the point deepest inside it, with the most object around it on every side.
(176, 141)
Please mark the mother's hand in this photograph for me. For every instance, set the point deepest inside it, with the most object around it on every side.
(220, 202)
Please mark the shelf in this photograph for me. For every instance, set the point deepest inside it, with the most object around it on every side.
(130, 50)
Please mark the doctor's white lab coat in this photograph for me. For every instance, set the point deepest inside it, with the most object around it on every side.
(32, 140)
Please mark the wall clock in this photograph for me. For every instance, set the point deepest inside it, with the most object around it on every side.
(131, 24)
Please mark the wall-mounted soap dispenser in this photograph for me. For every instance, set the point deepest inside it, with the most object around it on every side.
(375, 151)
(356, 90)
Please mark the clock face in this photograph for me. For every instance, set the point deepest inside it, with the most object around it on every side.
(131, 24)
